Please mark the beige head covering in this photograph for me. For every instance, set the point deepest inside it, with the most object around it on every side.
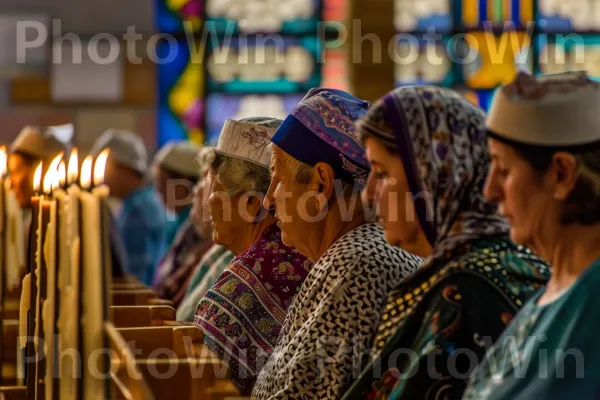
(179, 157)
(126, 148)
(553, 110)
(248, 139)
(39, 143)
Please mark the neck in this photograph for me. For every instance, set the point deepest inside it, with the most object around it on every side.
(328, 231)
(252, 235)
(179, 209)
(129, 189)
(569, 252)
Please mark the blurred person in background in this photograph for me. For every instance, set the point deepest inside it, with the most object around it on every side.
(175, 173)
(213, 263)
(32, 146)
(141, 217)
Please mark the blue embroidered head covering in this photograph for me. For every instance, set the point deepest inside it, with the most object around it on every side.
(321, 129)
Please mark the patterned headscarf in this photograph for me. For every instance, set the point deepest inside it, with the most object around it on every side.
(321, 129)
(440, 138)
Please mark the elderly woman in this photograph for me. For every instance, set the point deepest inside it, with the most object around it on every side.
(176, 169)
(429, 153)
(318, 169)
(212, 264)
(544, 137)
(243, 312)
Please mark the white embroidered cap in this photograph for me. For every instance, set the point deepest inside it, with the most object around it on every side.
(126, 148)
(248, 139)
(39, 143)
(179, 157)
(552, 110)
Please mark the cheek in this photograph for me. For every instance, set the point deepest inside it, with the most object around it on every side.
(215, 205)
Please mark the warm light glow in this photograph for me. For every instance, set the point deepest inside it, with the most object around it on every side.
(100, 167)
(62, 174)
(86, 173)
(73, 168)
(49, 179)
(37, 179)
(3, 161)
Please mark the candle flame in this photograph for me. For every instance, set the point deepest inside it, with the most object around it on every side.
(3, 161)
(73, 168)
(37, 178)
(86, 173)
(62, 174)
(100, 167)
(51, 174)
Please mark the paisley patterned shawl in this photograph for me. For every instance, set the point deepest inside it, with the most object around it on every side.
(242, 314)
(441, 140)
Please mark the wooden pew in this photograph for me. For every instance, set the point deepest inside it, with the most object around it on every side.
(142, 316)
(202, 376)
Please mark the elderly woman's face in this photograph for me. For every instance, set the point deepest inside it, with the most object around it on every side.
(525, 197)
(227, 214)
(201, 205)
(388, 189)
(289, 200)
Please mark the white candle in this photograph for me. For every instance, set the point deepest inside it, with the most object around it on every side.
(48, 309)
(93, 315)
(68, 320)
(50, 263)
(25, 303)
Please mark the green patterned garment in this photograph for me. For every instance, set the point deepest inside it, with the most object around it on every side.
(438, 324)
(549, 351)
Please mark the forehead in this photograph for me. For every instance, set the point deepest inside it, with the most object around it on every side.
(278, 157)
(499, 149)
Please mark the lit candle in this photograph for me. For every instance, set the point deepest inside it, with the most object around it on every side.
(69, 314)
(47, 210)
(51, 182)
(101, 191)
(94, 285)
(27, 284)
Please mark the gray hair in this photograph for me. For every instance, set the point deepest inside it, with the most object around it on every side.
(237, 176)
(302, 173)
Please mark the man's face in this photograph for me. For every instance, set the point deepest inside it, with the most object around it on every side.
(20, 178)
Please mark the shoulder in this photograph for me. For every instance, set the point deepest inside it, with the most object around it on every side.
(366, 245)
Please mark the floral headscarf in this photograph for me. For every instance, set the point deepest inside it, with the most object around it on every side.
(440, 138)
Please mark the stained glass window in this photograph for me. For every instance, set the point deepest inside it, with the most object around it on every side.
(484, 43)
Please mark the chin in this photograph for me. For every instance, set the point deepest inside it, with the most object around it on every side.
(286, 239)
(519, 237)
(215, 238)
(392, 239)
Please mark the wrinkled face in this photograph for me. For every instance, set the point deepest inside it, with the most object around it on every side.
(525, 196)
(21, 179)
(293, 205)
(229, 215)
(201, 206)
(388, 189)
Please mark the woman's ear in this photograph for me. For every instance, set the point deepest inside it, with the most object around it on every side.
(323, 180)
(566, 171)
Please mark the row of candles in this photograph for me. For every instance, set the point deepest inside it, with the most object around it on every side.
(70, 253)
